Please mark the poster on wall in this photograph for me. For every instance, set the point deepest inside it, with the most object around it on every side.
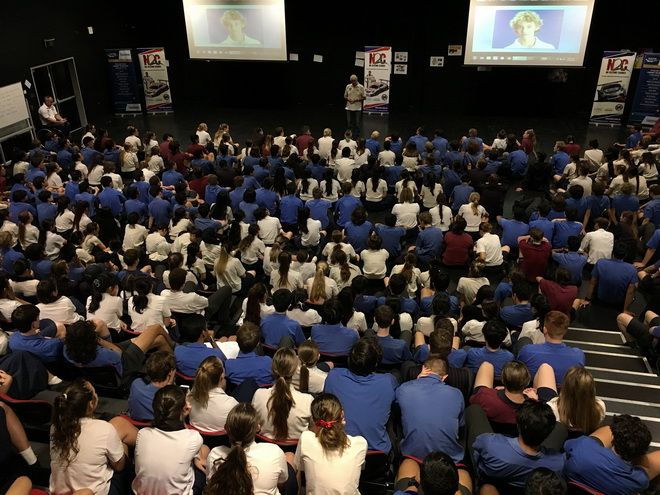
(647, 95)
(377, 71)
(123, 81)
(157, 92)
(612, 88)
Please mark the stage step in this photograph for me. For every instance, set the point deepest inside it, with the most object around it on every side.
(594, 336)
(635, 408)
(627, 390)
(618, 375)
(598, 347)
(617, 361)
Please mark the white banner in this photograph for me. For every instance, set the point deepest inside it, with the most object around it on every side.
(377, 71)
(612, 89)
(153, 66)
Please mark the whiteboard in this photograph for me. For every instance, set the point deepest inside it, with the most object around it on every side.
(12, 105)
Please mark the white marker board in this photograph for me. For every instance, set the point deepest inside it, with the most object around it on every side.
(12, 105)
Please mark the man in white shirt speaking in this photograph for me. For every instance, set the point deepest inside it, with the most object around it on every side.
(354, 94)
(50, 117)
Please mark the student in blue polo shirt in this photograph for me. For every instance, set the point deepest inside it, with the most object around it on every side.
(160, 368)
(44, 340)
(512, 229)
(133, 204)
(278, 329)
(372, 144)
(19, 204)
(635, 136)
(391, 235)
(170, 176)
(571, 259)
(248, 364)
(616, 279)
(520, 311)
(506, 462)
(424, 430)
(345, 205)
(357, 231)
(110, 198)
(563, 229)
(332, 337)
(266, 197)
(560, 159)
(441, 341)
(87, 344)
(553, 351)
(203, 222)
(319, 207)
(193, 350)
(518, 161)
(652, 208)
(395, 351)
(316, 167)
(249, 205)
(626, 201)
(46, 209)
(160, 210)
(429, 240)
(289, 207)
(613, 459)
(494, 333)
(365, 395)
(542, 222)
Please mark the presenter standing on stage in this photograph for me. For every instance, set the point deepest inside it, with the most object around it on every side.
(354, 96)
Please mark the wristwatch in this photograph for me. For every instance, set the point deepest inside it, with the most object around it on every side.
(413, 482)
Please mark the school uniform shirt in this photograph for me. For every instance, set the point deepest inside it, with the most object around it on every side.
(563, 229)
(395, 351)
(347, 248)
(249, 365)
(185, 302)
(334, 339)
(497, 406)
(424, 430)
(110, 310)
(46, 349)
(233, 275)
(358, 235)
(190, 355)
(254, 252)
(266, 463)
(560, 297)
(333, 195)
(300, 414)
(7, 306)
(489, 244)
(456, 358)
(511, 230)
(330, 473)
(373, 263)
(330, 287)
(31, 236)
(598, 245)
(515, 315)
(316, 380)
(560, 356)
(292, 282)
(278, 325)
(573, 262)
(386, 158)
(140, 400)
(478, 355)
(391, 238)
(313, 235)
(443, 221)
(406, 214)
(367, 401)
(379, 194)
(214, 416)
(614, 276)
(468, 287)
(413, 283)
(269, 229)
(335, 274)
(590, 463)
(306, 318)
(163, 461)
(154, 314)
(62, 310)
(457, 248)
(344, 208)
(98, 444)
(428, 244)
(306, 270)
(498, 457)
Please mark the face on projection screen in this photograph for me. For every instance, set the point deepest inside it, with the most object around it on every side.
(236, 30)
(540, 33)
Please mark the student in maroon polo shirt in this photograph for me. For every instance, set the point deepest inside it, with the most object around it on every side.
(457, 244)
(535, 252)
(561, 295)
(501, 405)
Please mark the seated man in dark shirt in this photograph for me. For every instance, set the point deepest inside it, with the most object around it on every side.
(437, 475)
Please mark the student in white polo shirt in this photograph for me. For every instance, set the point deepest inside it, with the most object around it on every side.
(331, 459)
(246, 466)
(166, 452)
(210, 404)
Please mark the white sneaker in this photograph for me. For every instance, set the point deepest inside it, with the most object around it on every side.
(54, 380)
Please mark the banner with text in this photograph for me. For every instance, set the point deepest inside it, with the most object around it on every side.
(612, 89)
(377, 70)
(157, 93)
(123, 80)
(647, 95)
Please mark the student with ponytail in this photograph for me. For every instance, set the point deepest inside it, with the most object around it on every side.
(246, 468)
(342, 272)
(144, 307)
(285, 412)
(166, 452)
(331, 460)
(251, 249)
(104, 304)
(321, 287)
(51, 242)
(84, 452)
(209, 402)
(28, 234)
(229, 272)
(255, 306)
(309, 378)
(410, 273)
(284, 277)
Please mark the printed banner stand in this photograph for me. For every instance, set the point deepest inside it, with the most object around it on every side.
(123, 81)
(156, 83)
(377, 71)
(647, 96)
(612, 88)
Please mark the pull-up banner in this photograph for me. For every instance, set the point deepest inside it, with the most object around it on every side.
(157, 93)
(123, 81)
(612, 90)
(377, 70)
(647, 96)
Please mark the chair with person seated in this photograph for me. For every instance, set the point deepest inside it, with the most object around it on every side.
(339, 360)
(287, 444)
(376, 476)
(575, 488)
(106, 381)
(182, 379)
(31, 412)
(211, 438)
(137, 423)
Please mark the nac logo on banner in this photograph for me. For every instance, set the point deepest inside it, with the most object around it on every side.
(377, 59)
(152, 60)
(617, 65)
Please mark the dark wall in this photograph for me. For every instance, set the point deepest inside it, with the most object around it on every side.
(333, 29)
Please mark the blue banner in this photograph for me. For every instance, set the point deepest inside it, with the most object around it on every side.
(647, 96)
(123, 81)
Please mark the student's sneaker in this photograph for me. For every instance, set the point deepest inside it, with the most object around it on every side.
(54, 380)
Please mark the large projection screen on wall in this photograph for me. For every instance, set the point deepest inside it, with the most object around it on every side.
(528, 32)
(236, 30)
